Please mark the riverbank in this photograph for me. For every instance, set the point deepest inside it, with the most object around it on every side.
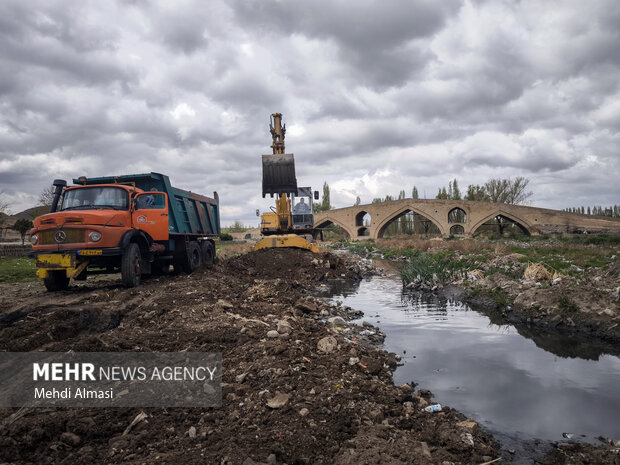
(301, 385)
(565, 284)
(530, 399)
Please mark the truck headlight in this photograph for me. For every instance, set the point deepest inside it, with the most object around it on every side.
(34, 239)
(94, 236)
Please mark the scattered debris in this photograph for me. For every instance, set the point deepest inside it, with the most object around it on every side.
(537, 272)
(327, 344)
(139, 417)
(279, 400)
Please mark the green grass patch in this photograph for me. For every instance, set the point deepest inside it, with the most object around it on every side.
(586, 239)
(17, 270)
(567, 304)
(498, 296)
(428, 267)
(495, 295)
(562, 258)
(360, 248)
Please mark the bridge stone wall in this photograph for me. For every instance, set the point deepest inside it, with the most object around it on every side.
(533, 220)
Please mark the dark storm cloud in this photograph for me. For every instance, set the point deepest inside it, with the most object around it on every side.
(381, 56)
(56, 40)
(247, 91)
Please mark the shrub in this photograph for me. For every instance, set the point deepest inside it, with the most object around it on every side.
(427, 267)
(225, 237)
(567, 304)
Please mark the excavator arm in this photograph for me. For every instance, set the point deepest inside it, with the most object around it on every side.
(279, 179)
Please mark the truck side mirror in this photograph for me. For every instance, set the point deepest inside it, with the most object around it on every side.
(316, 195)
(134, 204)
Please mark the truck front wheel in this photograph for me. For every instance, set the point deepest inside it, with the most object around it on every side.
(56, 281)
(131, 271)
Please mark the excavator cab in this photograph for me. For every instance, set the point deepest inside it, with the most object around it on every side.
(301, 204)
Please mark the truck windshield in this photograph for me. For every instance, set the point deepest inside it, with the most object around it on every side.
(85, 198)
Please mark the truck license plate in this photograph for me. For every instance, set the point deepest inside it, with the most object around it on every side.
(91, 252)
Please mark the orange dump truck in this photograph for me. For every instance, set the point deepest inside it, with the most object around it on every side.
(137, 224)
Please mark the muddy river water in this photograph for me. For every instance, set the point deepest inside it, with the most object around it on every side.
(505, 381)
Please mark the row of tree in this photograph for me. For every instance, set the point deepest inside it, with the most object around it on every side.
(612, 212)
(513, 191)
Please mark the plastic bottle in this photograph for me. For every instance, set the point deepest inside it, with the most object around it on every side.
(433, 408)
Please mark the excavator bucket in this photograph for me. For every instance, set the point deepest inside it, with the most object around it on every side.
(279, 174)
(286, 240)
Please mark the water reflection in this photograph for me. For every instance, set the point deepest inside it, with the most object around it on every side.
(564, 344)
(513, 381)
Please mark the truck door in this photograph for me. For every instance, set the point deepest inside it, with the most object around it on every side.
(150, 214)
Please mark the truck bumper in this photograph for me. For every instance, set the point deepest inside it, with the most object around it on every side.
(59, 262)
(72, 262)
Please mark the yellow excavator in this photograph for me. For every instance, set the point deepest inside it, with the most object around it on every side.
(292, 218)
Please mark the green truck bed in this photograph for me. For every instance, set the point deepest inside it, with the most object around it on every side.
(190, 213)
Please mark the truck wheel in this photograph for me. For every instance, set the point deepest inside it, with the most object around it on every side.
(57, 281)
(194, 257)
(208, 257)
(130, 265)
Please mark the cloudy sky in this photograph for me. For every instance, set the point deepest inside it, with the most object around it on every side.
(377, 96)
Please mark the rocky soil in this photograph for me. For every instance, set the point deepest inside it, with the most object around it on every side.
(581, 300)
(301, 384)
(586, 304)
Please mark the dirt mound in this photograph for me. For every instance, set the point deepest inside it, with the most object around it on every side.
(291, 264)
(582, 454)
(281, 394)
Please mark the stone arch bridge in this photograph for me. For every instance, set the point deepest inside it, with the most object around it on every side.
(461, 217)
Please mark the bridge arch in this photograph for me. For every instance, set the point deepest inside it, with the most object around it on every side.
(327, 220)
(457, 230)
(457, 215)
(522, 224)
(382, 226)
(359, 219)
